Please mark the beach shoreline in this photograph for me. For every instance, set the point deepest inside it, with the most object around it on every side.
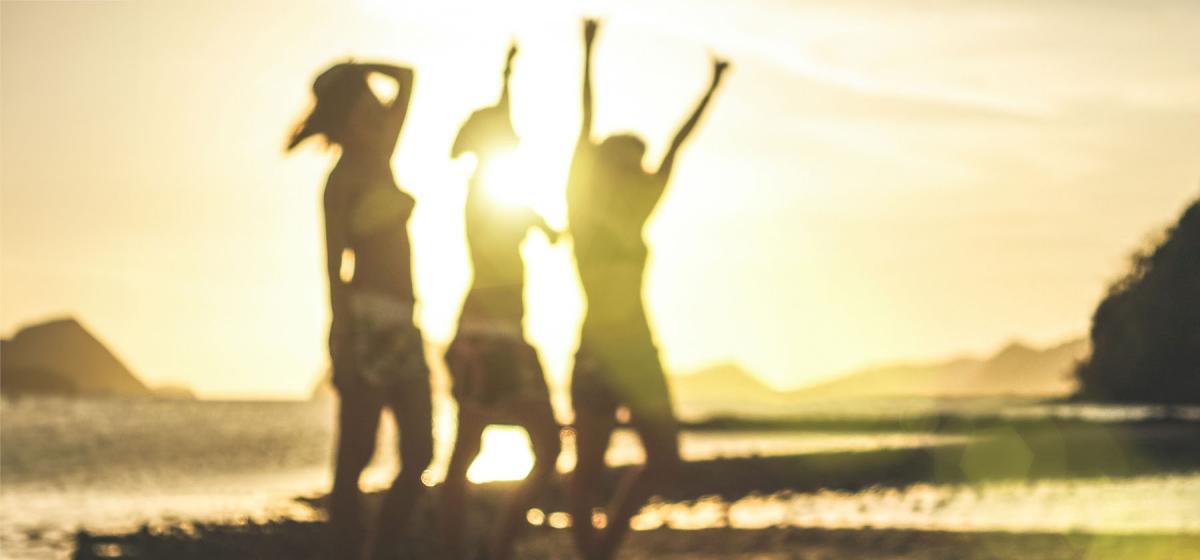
(303, 540)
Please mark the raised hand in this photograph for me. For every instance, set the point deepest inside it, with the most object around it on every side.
(719, 67)
(589, 30)
(512, 53)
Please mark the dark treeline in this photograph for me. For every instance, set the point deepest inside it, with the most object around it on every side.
(1146, 331)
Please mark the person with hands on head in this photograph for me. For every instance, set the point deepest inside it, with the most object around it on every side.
(376, 351)
(610, 197)
(496, 375)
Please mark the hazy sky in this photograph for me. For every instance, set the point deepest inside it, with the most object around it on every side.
(873, 182)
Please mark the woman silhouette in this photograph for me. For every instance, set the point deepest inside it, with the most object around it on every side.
(496, 374)
(610, 197)
(376, 351)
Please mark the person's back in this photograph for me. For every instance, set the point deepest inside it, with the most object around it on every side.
(610, 252)
(610, 197)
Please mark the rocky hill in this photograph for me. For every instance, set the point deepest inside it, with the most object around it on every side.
(1146, 331)
(62, 357)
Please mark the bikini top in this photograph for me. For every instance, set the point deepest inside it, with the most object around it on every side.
(379, 207)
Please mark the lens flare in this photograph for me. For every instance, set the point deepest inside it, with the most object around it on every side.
(507, 179)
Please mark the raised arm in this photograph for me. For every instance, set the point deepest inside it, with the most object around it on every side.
(589, 36)
(664, 170)
(512, 53)
(398, 109)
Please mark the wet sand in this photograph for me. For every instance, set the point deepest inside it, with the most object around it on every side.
(303, 540)
(1077, 450)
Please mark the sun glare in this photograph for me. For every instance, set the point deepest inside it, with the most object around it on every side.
(506, 455)
(507, 179)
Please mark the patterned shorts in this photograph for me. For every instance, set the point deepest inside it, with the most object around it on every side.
(388, 349)
(492, 367)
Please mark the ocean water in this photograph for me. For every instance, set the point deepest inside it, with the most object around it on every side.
(109, 464)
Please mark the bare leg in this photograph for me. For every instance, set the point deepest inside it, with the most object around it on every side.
(660, 437)
(592, 433)
(454, 489)
(358, 423)
(538, 421)
(412, 409)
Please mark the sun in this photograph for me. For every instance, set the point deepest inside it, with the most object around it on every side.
(508, 179)
(521, 177)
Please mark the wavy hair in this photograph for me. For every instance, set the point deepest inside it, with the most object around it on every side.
(335, 92)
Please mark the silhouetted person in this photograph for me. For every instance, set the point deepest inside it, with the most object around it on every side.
(376, 350)
(496, 374)
(609, 199)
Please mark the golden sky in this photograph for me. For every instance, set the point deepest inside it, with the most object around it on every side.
(873, 182)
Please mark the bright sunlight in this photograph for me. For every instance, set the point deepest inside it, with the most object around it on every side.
(506, 455)
(506, 177)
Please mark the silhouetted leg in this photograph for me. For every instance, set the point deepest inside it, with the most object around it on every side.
(454, 488)
(660, 438)
(358, 422)
(654, 420)
(593, 430)
(538, 420)
(412, 409)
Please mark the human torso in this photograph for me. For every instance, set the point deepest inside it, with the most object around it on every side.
(494, 235)
(607, 218)
(376, 216)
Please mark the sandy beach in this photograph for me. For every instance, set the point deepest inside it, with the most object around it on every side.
(1147, 450)
(303, 540)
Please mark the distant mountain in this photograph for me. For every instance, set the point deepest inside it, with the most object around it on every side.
(718, 386)
(1016, 369)
(62, 357)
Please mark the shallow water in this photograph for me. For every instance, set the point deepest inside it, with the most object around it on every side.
(110, 465)
(115, 464)
(1152, 504)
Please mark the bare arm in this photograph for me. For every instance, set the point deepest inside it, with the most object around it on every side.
(336, 243)
(512, 53)
(664, 170)
(404, 77)
(589, 36)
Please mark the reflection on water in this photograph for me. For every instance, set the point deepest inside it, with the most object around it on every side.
(507, 455)
(909, 407)
(112, 465)
(1159, 504)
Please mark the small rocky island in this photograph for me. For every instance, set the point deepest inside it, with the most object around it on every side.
(62, 357)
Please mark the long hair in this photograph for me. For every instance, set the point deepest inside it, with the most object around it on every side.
(335, 93)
